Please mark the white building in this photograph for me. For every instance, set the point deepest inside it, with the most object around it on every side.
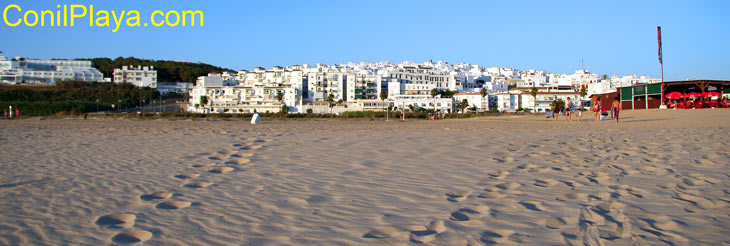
(357, 86)
(474, 100)
(520, 98)
(138, 76)
(423, 101)
(33, 71)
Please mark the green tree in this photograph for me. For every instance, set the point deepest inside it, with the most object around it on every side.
(463, 105)
(279, 96)
(167, 71)
(284, 109)
(533, 92)
(203, 100)
(434, 92)
(330, 101)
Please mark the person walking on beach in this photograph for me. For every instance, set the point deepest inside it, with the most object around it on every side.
(597, 110)
(615, 107)
(568, 115)
(556, 110)
(580, 113)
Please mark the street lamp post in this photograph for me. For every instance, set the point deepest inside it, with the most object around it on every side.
(97, 105)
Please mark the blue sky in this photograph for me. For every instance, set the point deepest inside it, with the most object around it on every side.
(614, 37)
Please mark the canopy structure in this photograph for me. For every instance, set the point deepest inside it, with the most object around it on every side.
(674, 95)
(644, 96)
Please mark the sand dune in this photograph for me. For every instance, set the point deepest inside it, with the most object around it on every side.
(659, 177)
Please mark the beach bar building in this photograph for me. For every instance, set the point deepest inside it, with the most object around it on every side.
(647, 96)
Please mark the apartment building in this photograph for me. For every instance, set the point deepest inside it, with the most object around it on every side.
(34, 71)
(139, 76)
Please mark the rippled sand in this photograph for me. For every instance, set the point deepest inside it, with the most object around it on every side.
(658, 177)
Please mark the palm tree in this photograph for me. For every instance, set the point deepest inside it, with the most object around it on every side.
(203, 101)
(483, 93)
(434, 92)
(583, 93)
(533, 92)
(330, 100)
(280, 98)
(383, 96)
(463, 105)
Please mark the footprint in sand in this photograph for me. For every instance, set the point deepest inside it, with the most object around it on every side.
(221, 170)
(572, 183)
(239, 161)
(498, 174)
(496, 236)
(385, 232)
(219, 157)
(204, 165)
(470, 213)
(173, 204)
(245, 154)
(533, 205)
(589, 216)
(505, 159)
(527, 166)
(226, 152)
(699, 202)
(599, 195)
(545, 182)
(598, 177)
(456, 196)
(418, 234)
(205, 153)
(132, 236)
(117, 220)
(199, 184)
(572, 196)
(609, 206)
(660, 222)
(557, 223)
(251, 147)
(156, 196)
(509, 185)
(492, 195)
(187, 176)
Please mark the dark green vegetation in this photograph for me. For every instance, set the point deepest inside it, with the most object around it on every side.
(73, 97)
(167, 71)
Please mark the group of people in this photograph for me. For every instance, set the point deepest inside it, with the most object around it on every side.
(722, 103)
(10, 113)
(568, 109)
(596, 108)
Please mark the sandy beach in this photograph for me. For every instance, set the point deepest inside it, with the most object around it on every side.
(659, 177)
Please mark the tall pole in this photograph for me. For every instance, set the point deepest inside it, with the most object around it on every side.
(661, 60)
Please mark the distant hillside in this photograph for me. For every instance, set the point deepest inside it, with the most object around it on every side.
(167, 71)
